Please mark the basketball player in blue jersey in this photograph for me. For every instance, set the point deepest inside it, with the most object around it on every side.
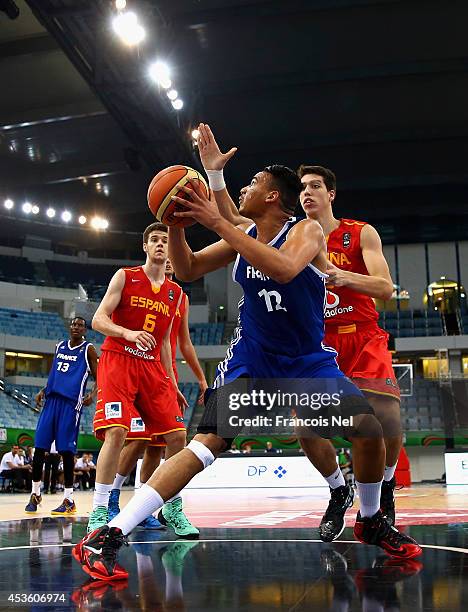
(280, 264)
(64, 396)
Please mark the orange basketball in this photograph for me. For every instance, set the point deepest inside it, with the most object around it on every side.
(168, 183)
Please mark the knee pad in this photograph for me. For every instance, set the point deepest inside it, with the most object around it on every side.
(202, 452)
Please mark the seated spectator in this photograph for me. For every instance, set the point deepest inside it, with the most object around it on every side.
(12, 467)
(247, 449)
(269, 448)
(28, 458)
(85, 472)
(234, 450)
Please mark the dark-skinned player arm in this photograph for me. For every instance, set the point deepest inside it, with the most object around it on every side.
(103, 323)
(213, 161)
(188, 352)
(379, 282)
(93, 362)
(166, 362)
(304, 240)
(189, 266)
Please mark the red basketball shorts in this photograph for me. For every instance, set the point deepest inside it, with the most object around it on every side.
(364, 357)
(137, 395)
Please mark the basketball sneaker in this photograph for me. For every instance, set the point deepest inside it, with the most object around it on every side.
(151, 522)
(172, 515)
(66, 507)
(113, 508)
(97, 518)
(387, 500)
(375, 530)
(97, 554)
(34, 502)
(333, 521)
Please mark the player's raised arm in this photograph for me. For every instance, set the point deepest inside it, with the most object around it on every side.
(378, 284)
(189, 266)
(214, 161)
(103, 323)
(304, 242)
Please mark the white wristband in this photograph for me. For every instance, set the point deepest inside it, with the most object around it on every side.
(216, 180)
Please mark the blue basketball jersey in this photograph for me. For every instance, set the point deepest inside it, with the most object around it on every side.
(69, 372)
(285, 319)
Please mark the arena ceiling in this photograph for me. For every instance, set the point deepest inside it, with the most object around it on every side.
(375, 89)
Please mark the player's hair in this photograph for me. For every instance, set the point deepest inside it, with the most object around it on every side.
(154, 227)
(79, 319)
(328, 175)
(288, 184)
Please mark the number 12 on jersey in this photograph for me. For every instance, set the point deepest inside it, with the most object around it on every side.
(268, 295)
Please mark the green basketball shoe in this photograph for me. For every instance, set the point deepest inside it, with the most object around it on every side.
(171, 514)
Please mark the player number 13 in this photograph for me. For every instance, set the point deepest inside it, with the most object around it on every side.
(269, 295)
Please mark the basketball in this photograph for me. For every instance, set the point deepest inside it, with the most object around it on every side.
(168, 183)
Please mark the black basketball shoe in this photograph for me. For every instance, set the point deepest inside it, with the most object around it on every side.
(387, 500)
(375, 530)
(333, 521)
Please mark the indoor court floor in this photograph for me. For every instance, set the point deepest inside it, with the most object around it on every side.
(258, 551)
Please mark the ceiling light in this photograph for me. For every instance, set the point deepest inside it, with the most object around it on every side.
(120, 4)
(66, 216)
(177, 104)
(106, 190)
(126, 26)
(172, 94)
(81, 219)
(50, 212)
(159, 72)
(27, 207)
(165, 83)
(35, 209)
(8, 203)
(98, 223)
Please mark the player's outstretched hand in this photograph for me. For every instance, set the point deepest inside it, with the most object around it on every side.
(210, 154)
(140, 338)
(39, 398)
(183, 403)
(203, 386)
(198, 206)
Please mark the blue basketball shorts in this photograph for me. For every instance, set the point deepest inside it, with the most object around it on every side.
(59, 421)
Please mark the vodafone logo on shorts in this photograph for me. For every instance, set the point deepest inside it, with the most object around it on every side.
(332, 305)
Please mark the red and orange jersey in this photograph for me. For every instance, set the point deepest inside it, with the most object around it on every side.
(344, 305)
(144, 306)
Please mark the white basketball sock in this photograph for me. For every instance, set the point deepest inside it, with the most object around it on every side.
(336, 479)
(118, 481)
(389, 472)
(145, 501)
(101, 495)
(369, 497)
